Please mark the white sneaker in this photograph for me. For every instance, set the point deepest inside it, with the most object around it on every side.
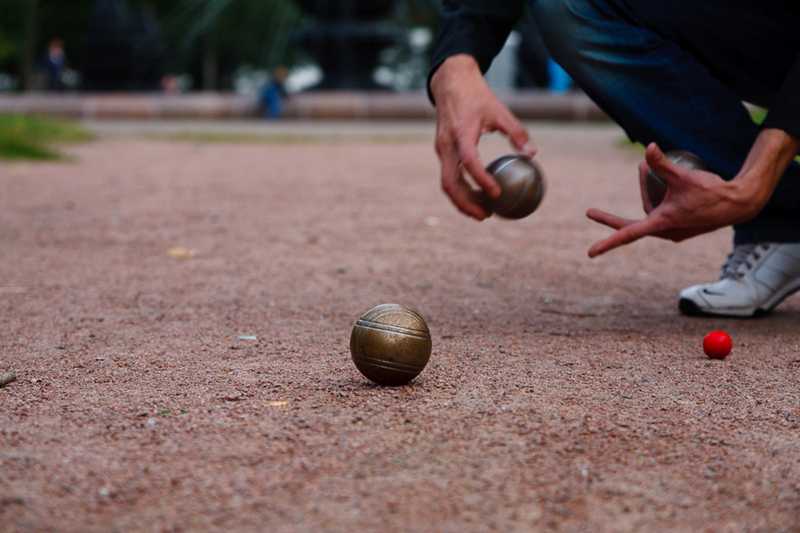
(755, 279)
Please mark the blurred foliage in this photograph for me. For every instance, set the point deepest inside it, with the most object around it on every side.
(238, 32)
(209, 39)
(423, 13)
(12, 33)
(8, 48)
(235, 32)
(30, 137)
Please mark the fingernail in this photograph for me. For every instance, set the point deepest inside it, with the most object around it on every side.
(529, 150)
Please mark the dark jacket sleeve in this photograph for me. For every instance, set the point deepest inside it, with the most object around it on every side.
(784, 113)
(475, 27)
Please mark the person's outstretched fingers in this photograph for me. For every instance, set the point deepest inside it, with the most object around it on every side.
(626, 235)
(607, 219)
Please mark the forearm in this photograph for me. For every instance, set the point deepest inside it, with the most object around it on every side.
(768, 159)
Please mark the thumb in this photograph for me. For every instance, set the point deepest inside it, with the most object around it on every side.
(660, 163)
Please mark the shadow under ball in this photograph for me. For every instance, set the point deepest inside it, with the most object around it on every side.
(521, 183)
(390, 344)
(657, 187)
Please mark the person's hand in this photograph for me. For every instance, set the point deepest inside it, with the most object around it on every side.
(696, 202)
(466, 109)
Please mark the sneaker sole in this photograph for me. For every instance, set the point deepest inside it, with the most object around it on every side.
(690, 308)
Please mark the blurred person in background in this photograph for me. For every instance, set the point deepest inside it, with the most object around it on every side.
(54, 63)
(274, 93)
(674, 76)
(170, 84)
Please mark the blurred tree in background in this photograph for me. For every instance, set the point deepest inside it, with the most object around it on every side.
(208, 39)
(212, 38)
(132, 44)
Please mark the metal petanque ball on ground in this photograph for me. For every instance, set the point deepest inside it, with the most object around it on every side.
(521, 183)
(390, 344)
(657, 187)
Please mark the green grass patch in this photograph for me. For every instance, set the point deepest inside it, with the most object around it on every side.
(627, 144)
(758, 114)
(27, 137)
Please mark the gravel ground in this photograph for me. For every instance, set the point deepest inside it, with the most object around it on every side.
(563, 393)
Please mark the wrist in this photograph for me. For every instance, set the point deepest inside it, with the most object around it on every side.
(772, 152)
(454, 68)
(751, 189)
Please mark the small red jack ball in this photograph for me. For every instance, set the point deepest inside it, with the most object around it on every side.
(717, 344)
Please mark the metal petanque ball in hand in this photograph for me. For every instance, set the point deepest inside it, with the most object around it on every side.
(521, 183)
(657, 187)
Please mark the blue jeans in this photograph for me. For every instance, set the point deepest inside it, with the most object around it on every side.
(675, 72)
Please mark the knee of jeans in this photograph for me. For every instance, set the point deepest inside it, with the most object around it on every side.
(562, 29)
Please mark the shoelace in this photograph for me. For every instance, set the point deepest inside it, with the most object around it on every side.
(743, 255)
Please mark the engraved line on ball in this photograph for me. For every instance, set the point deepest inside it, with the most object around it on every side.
(391, 365)
(390, 312)
(394, 329)
(504, 165)
(391, 327)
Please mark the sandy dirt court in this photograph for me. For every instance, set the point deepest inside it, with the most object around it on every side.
(562, 394)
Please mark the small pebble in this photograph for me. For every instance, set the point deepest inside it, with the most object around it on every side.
(180, 253)
(7, 378)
